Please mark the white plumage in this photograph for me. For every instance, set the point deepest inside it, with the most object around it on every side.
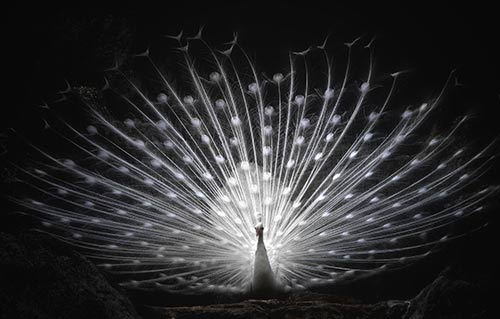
(165, 189)
(264, 281)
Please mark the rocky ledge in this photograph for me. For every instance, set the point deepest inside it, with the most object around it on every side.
(43, 278)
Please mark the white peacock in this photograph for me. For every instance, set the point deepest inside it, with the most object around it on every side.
(344, 182)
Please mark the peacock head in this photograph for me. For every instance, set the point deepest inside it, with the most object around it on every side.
(259, 229)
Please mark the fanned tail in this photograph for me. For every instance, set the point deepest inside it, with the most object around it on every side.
(165, 188)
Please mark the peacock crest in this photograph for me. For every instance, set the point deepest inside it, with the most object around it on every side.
(166, 182)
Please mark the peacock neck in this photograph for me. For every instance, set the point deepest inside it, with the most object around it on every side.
(260, 242)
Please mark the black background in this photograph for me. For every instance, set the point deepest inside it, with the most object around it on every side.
(46, 45)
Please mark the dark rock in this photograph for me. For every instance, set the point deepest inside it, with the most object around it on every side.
(454, 294)
(43, 278)
(257, 309)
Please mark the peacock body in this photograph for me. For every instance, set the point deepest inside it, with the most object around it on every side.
(345, 182)
(263, 276)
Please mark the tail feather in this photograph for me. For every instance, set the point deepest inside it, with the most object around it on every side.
(169, 193)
